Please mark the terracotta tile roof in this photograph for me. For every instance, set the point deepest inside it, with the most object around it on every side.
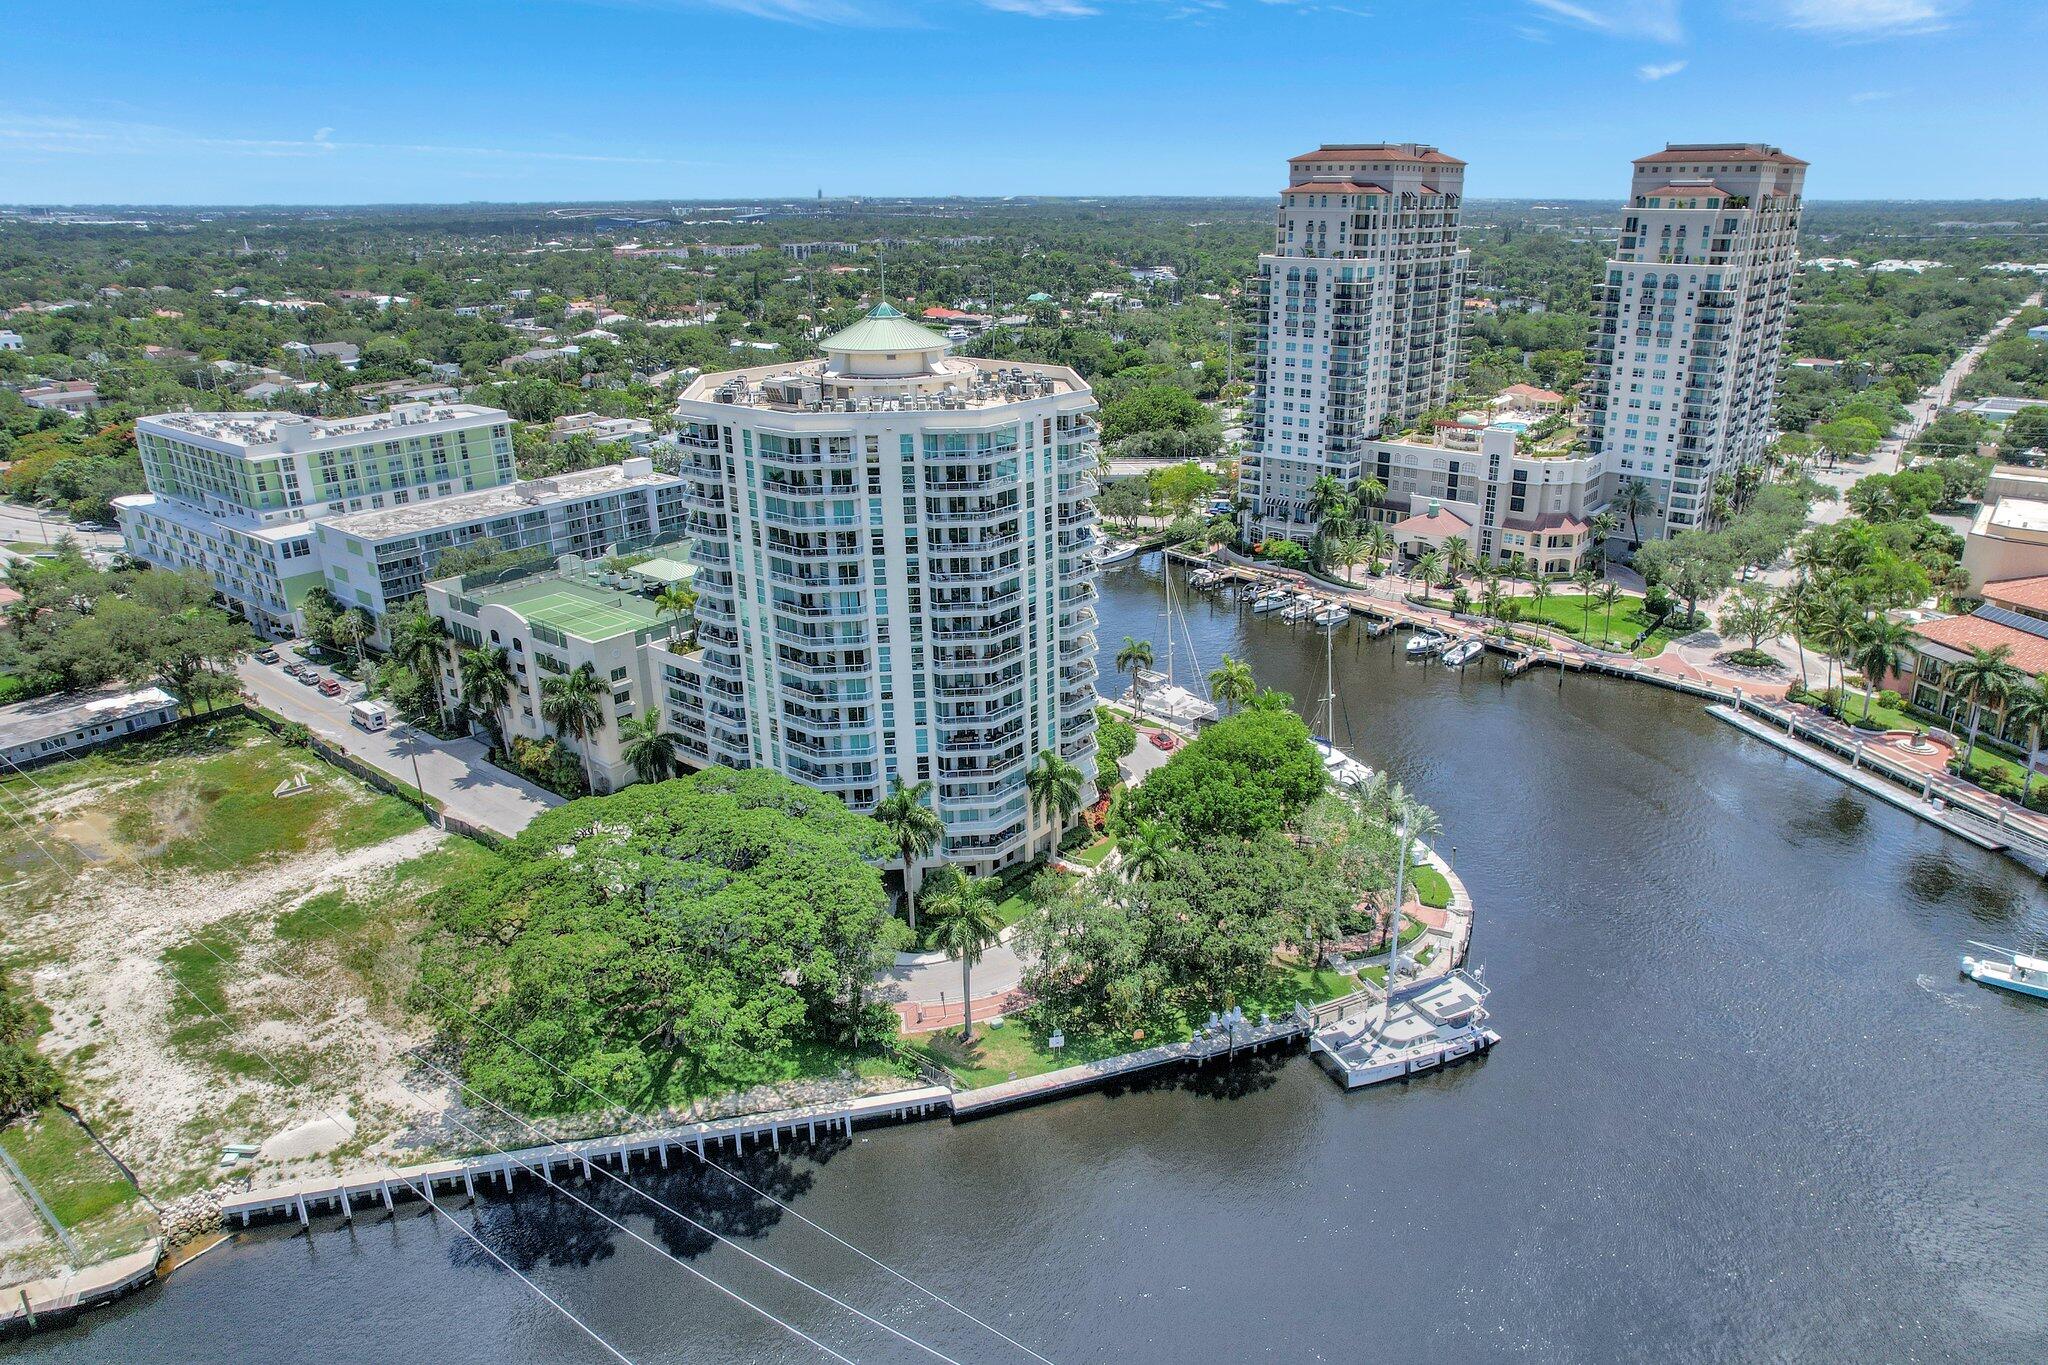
(1546, 521)
(1335, 187)
(1965, 633)
(1380, 150)
(1689, 191)
(1725, 151)
(2021, 594)
(1442, 521)
(1531, 391)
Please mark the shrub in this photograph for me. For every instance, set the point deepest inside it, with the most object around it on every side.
(27, 1081)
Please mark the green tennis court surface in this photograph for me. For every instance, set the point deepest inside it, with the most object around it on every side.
(576, 608)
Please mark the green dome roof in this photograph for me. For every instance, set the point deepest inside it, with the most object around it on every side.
(884, 330)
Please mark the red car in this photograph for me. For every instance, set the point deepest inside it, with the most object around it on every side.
(1164, 739)
(329, 688)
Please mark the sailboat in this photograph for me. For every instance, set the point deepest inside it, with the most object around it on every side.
(1163, 696)
(1344, 770)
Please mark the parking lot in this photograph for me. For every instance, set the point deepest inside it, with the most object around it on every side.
(454, 772)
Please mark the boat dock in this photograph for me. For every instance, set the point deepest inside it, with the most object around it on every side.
(1425, 1026)
(301, 1199)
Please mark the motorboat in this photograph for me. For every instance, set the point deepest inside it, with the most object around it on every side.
(1300, 609)
(1426, 642)
(1204, 578)
(1331, 614)
(1115, 552)
(2020, 973)
(1464, 652)
(1272, 599)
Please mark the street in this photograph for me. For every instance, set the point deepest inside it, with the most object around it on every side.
(453, 772)
(20, 524)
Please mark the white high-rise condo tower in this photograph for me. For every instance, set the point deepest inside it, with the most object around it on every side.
(894, 553)
(1360, 305)
(1683, 361)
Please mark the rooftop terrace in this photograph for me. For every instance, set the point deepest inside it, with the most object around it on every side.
(572, 605)
(952, 383)
(505, 500)
(286, 431)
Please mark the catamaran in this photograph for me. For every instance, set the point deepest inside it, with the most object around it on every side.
(2020, 973)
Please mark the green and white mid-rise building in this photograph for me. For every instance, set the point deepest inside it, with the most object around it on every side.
(270, 505)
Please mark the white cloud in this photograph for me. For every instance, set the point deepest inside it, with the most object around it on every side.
(1654, 19)
(1865, 18)
(105, 137)
(1657, 71)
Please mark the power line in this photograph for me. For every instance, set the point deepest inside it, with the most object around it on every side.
(690, 1269)
(732, 1175)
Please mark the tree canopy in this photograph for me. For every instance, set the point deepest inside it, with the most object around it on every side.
(1240, 778)
(676, 939)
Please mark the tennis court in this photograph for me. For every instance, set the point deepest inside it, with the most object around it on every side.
(579, 609)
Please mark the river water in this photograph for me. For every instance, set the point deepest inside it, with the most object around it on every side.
(1745, 1109)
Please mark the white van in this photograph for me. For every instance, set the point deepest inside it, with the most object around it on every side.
(367, 715)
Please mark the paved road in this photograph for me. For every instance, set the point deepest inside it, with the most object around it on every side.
(37, 527)
(453, 772)
(1886, 458)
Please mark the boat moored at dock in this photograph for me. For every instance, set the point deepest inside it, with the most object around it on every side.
(1464, 652)
(1424, 643)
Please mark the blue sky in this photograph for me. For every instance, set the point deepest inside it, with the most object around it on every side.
(204, 101)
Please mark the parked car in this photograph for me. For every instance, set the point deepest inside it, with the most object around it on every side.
(95, 527)
(266, 656)
(329, 688)
(308, 677)
(1164, 739)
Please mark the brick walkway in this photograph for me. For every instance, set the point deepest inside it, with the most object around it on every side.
(930, 1018)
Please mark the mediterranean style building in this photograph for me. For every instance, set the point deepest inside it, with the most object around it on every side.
(270, 505)
(894, 561)
(1683, 360)
(1360, 310)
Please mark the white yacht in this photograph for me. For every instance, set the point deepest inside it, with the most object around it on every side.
(1464, 652)
(1300, 609)
(1115, 551)
(1272, 599)
(1331, 614)
(1426, 642)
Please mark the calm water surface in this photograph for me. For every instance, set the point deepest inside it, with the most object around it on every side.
(1744, 1110)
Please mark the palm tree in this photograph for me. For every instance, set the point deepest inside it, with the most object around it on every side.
(574, 704)
(1232, 683)
(2027, 704)
(417, 639)
(1794, 600)
(1539, 593)
(1145, 847)
(1987, 675)
(914, 830)
(1328, 505)
(1492, 601)
(486, 675)
(1836, 621)
(1379, 545)
(649, 748)
(967, 925)
(350, 629)
(1881, 646)
(1367, 494)
(1133, 658)
(678, 601)
(1872, 502)
(1610, 593)
(1585, 580)
(1055, 788)
(1457, 558)
(1428, 567)
(1632, 500)
(1600, 528)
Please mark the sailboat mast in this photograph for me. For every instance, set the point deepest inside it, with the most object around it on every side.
(1394, 926)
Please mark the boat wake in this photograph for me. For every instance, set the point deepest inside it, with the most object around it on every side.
(1953, 999)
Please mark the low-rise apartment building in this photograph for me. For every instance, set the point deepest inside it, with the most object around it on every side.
(1490, 487)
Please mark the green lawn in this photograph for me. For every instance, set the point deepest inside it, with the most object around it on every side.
(1985, 762)
(87, 1192)
(1431, 887)
(196, 797)
(1093, 855)
(1015, 1046)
